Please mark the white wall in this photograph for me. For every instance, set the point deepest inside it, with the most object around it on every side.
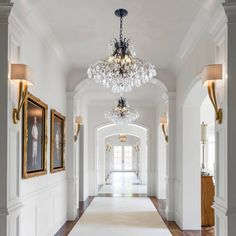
(43, 199)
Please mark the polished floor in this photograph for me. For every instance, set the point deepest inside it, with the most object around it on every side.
(121, 217)
(123, 184)
(174, 228)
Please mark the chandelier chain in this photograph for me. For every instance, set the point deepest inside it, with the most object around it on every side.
(121, 28)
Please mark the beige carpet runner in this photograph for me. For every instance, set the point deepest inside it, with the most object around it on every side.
(120, 217)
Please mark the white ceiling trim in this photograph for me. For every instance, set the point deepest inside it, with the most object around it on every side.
(201, 24)
(33, 21)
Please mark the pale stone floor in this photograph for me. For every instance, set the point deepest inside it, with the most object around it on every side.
(125, 183)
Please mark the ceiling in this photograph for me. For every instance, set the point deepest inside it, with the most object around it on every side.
(148, 95)
(83, 28)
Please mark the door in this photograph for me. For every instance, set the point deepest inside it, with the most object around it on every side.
(127, 158)
(123, 160)
(118, 163)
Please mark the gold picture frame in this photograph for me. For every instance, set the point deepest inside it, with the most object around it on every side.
(57, 142)
(34, 156)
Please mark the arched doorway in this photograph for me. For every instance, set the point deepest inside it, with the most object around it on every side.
(86, 100)
(196, 110)
(140, 156)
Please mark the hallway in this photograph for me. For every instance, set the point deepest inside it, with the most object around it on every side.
(123, 184)
(117, 117)
(120, 216)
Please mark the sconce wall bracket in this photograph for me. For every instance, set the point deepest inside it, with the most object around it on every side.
(23, 91)
(77, 132)
(165, 133)
(212, 96)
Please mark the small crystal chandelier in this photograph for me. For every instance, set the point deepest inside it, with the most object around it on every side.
(121, 71)
(122, 113)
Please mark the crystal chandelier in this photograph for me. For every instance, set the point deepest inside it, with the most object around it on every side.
(121, 71)
(122, 113)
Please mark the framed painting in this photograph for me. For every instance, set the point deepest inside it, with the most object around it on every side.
(34, 137)
(57, 144)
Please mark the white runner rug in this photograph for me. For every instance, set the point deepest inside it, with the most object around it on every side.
(120, 217)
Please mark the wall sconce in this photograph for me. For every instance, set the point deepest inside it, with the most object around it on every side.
(163, 124)
(210, 74)
(108, 147)
(22, 74)
(122, 138)
(78, 122)
(136, 147)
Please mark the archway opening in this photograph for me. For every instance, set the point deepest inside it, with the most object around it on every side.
(122, 160)
(198, 120)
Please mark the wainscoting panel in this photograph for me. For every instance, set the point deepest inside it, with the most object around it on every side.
(14, 137)
(43, 214)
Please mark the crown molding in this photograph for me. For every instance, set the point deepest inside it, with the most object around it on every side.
(230, 10)
(5, 10)
(192, 37)
(200, 25)
(34, 22)
(217, 22)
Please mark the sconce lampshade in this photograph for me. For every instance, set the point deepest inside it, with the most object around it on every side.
(78, 119)
(211, 73)
(163, 120)
(21, 72)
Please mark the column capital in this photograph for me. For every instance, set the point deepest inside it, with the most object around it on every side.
(5, 9)
(230, 10)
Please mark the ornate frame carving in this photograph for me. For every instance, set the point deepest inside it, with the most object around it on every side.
(28, 174)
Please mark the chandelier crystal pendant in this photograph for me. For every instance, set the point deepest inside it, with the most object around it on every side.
(121, 71)
(122, 113)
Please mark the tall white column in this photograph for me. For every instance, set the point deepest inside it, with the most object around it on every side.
(5, 8)
(72, 160)
(170, 158)
(225, 199)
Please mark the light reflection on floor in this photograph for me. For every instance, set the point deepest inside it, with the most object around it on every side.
(123, 183)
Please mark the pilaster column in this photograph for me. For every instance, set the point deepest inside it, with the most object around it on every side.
(71, 162)
(5, 9)
(225, 175)
(226, 212)
(170, 158)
